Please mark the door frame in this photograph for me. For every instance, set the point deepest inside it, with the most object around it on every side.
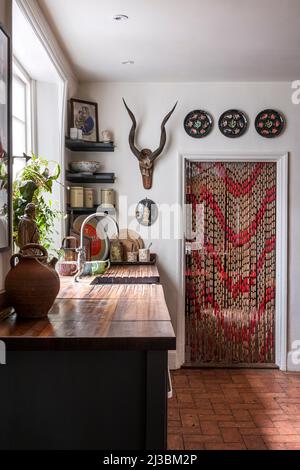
(281, 299)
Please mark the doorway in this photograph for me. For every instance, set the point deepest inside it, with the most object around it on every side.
(234, 314)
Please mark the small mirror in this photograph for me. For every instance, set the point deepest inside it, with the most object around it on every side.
(146, 212)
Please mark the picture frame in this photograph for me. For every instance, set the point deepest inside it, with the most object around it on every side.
(5, 141)
(84, 116)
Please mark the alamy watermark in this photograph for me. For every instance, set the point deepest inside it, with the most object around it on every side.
(295, 354)
(2, 353)
(296, 93)
(172, 222)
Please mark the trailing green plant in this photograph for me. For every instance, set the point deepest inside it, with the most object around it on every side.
(34, 184)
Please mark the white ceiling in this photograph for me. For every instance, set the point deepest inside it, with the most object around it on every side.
(179, 40)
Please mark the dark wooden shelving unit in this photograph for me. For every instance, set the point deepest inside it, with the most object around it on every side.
(94, 178)
(82, 146)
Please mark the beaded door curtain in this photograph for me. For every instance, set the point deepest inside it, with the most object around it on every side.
(230, 263)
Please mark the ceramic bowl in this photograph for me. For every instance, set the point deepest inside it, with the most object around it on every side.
(84, 167)
(98, 167)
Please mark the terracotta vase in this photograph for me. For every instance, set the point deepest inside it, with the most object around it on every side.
(32, 284)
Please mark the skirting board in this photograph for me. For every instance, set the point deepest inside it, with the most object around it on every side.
(292, 366)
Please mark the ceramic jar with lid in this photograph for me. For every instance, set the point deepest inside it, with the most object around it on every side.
(76, 198)
(88, 197)
(108, 198)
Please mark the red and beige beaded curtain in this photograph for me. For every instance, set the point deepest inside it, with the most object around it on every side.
(230, 273)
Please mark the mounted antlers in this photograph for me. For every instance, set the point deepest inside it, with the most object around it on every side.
(146, 157)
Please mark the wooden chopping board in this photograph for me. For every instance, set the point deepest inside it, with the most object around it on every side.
(128, 238)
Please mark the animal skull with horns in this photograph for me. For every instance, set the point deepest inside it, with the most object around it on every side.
(146, 157)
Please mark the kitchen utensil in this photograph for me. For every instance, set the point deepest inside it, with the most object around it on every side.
(144, 255)
(99, 246)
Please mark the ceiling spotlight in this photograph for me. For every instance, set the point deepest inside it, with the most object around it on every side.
(127, 62)
(120, 17)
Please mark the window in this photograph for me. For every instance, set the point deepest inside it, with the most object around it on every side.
(21, 118)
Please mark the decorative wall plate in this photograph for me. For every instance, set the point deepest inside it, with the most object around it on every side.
(198, 124)
(233, 123)
(269, 123)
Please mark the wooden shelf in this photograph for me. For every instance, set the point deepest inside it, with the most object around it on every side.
(81, 210)
(82, 146)
(86, 210)
(95, 178)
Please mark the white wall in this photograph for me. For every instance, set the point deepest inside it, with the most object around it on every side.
(5, 20)
(150, 102)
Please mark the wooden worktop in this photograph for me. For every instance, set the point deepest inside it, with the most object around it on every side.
(126, 274)
(96, 317)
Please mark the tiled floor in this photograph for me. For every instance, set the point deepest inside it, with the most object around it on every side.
(234, 409)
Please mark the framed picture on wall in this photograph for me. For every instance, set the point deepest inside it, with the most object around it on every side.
(84, 116)
(5, 140)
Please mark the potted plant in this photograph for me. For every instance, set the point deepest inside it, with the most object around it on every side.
(34, 184)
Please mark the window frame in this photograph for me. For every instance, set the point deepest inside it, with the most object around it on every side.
(20, 74)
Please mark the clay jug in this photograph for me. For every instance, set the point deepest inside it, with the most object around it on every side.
(32, 284)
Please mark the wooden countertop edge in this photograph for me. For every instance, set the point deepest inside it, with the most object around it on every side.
(17, 343)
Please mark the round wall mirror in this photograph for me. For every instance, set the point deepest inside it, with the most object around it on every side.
(146, 212)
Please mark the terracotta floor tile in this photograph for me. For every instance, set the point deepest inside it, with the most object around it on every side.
(262, 421)
(258, 431)
(236, 424)
(173, 413)
(190, 420)
(285, 427)
(174, 423)
(201, 439)
(175, 442)
(184, 397)
(193, 446)
(215, 417)
(209, 428)
(184, 430)
(223, 446)
(242, 415)
(231, 435)
(283, 438)
(255, 443)
(221, 409)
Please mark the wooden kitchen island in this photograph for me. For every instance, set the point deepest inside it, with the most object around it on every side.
(93, 375)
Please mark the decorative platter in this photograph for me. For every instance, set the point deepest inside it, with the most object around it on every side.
(233, 123)
(95, 230)
(269, 123)
(198, 124)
